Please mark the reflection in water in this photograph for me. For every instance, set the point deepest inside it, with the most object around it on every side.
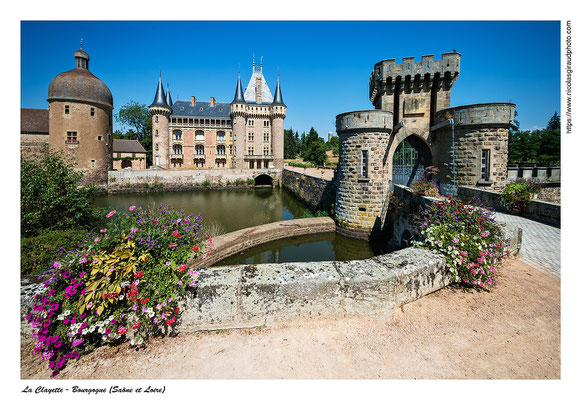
(233, 209)
(238, 209)
(317, 247)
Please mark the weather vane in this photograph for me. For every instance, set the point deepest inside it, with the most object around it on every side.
(81, 43)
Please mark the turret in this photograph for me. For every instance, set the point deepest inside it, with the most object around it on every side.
(278, 113)
(160, 111)
(238, 113)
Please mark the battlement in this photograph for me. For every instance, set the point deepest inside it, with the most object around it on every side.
(385, 69)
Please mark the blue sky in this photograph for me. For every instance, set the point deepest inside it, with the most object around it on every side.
(324, 66)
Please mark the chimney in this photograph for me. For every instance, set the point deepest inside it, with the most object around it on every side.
(193, 100)
(212, 101)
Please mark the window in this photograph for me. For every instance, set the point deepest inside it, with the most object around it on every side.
(250, 122)
(156, 147)
(266, 150)
(156, 118)
(221, 150)
(265, 163)
(251, 164)
(99, 138)
(266, 136)
(92, 112)
(221, 137)
(156, 133)
(251, 150)
(251, 136)
(72, 137)
(364, 163)
(177, 149)
(67, 109)
(485, 165)
(177, 135)
(92, 163)
(199, 150)
(230, 136)
(199, 136)
(230, 149)
(266, 123)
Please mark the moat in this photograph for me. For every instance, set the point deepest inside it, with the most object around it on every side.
(230, 210)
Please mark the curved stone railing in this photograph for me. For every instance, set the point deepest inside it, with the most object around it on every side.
(478, 114)
(231, 243)
(255, 295)
(361, 121)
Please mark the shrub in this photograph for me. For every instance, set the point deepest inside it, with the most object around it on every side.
(301, 165)
(250, 181)
(467, 236)
(39, 251)
(425, 187)
(239, 182)
(206, 183)
(517, 195)
(50, 195)
(309, 214)
(120, 284)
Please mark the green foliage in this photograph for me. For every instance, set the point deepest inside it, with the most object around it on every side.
(425, 187)
(206, 183)
(291, 144)
(50, 195)
(301, 165)
(333, 144)
(314, 148)
(309, 214)
(39, 251)
(136, 117)
(239, 182)
(467, 236)
(517, 195)
(539, 146)
(121, 284)
(250, 181)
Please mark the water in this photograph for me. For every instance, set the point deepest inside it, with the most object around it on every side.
(230, 210)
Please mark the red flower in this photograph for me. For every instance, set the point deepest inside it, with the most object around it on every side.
(176, 234)
(136, 325)
(183, 267)
(170, 321)
(195, 248)
(138, 274)
(143, 301)
(122, 330)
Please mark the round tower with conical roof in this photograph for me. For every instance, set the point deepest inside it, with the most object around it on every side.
(160, 111)
(239, 114)
(278, 114)
(80, 119)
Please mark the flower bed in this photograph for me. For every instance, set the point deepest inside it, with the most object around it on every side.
(517, 195)
(120, 284)
(467, 236)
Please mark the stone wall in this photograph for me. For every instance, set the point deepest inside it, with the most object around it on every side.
(255, 295)
(477, 128)
(129, 180)
(316, 193)
(362, 184)
(231, 243)
(538, 210)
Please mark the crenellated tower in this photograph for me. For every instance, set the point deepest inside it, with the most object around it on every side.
(160, 111)
(414, 91)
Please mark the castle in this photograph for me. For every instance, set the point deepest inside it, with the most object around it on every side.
(247, 133)
(413, 127)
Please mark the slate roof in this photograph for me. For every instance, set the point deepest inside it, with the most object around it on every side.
(250, 93)
(34, 120)
(182, 108)
(127, 146)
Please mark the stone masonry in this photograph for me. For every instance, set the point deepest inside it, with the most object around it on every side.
(361, 183)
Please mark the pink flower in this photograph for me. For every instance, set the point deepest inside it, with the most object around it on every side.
(111, 214)
(174, 244)
(131, 208)
(455, 240)
(97, 239)
(103, 230)
(133, 230)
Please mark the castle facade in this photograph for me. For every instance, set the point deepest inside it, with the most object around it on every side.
(246, 133)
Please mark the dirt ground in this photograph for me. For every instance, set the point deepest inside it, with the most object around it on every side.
(513, 332)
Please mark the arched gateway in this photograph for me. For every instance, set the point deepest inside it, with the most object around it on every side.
(410, 159)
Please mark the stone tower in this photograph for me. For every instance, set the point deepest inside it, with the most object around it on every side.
(80, 119)
(362, 186)
(238, 113)
(160, 111)
(414, 91)
(278, 113)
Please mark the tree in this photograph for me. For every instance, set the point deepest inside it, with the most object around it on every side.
(291, 144)
(554, 123)
(50, 195)
(538, 146)
(136, 118)
(314, 148)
